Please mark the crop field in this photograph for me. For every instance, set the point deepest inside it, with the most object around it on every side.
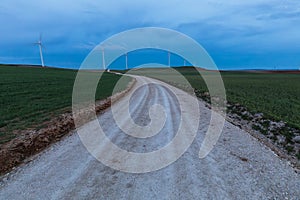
(30, 96)
(277, 95)
(266, 102)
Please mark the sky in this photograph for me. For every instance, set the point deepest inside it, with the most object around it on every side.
(256, 34)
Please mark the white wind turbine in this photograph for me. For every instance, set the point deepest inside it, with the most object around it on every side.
(169, 59)
(39, 43)
(103, 58)
(126, 57)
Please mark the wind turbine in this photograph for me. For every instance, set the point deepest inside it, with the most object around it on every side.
(39, 43)
(126, 57)
(169, 58)
(103, 59)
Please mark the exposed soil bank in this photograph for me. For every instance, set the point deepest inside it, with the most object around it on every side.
(29, 143)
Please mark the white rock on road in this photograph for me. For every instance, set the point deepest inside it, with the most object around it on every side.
(239, 167)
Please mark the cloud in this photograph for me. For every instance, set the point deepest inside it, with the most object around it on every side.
(77, 26)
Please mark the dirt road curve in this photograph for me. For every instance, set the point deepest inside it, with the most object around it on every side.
(239, 167)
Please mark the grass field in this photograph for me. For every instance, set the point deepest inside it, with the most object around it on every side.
(275, 97)
(274, 94)
(30, 96)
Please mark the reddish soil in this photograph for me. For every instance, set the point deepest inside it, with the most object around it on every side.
(31, 142)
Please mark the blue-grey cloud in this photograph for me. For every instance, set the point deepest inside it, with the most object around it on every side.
(235, 33)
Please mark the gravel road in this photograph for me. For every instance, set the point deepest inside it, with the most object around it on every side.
(238, 167)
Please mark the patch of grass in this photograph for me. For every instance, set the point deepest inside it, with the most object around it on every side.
(31, 96)
(265, 124)
(245, 117)
(289, 148)
(256, 127)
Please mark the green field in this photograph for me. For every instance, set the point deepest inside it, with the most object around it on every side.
(30, 96)
(275, 95)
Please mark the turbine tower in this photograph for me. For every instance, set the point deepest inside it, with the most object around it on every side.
(126, 57)
(103, 59)
(39, 43)
(169, 58)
